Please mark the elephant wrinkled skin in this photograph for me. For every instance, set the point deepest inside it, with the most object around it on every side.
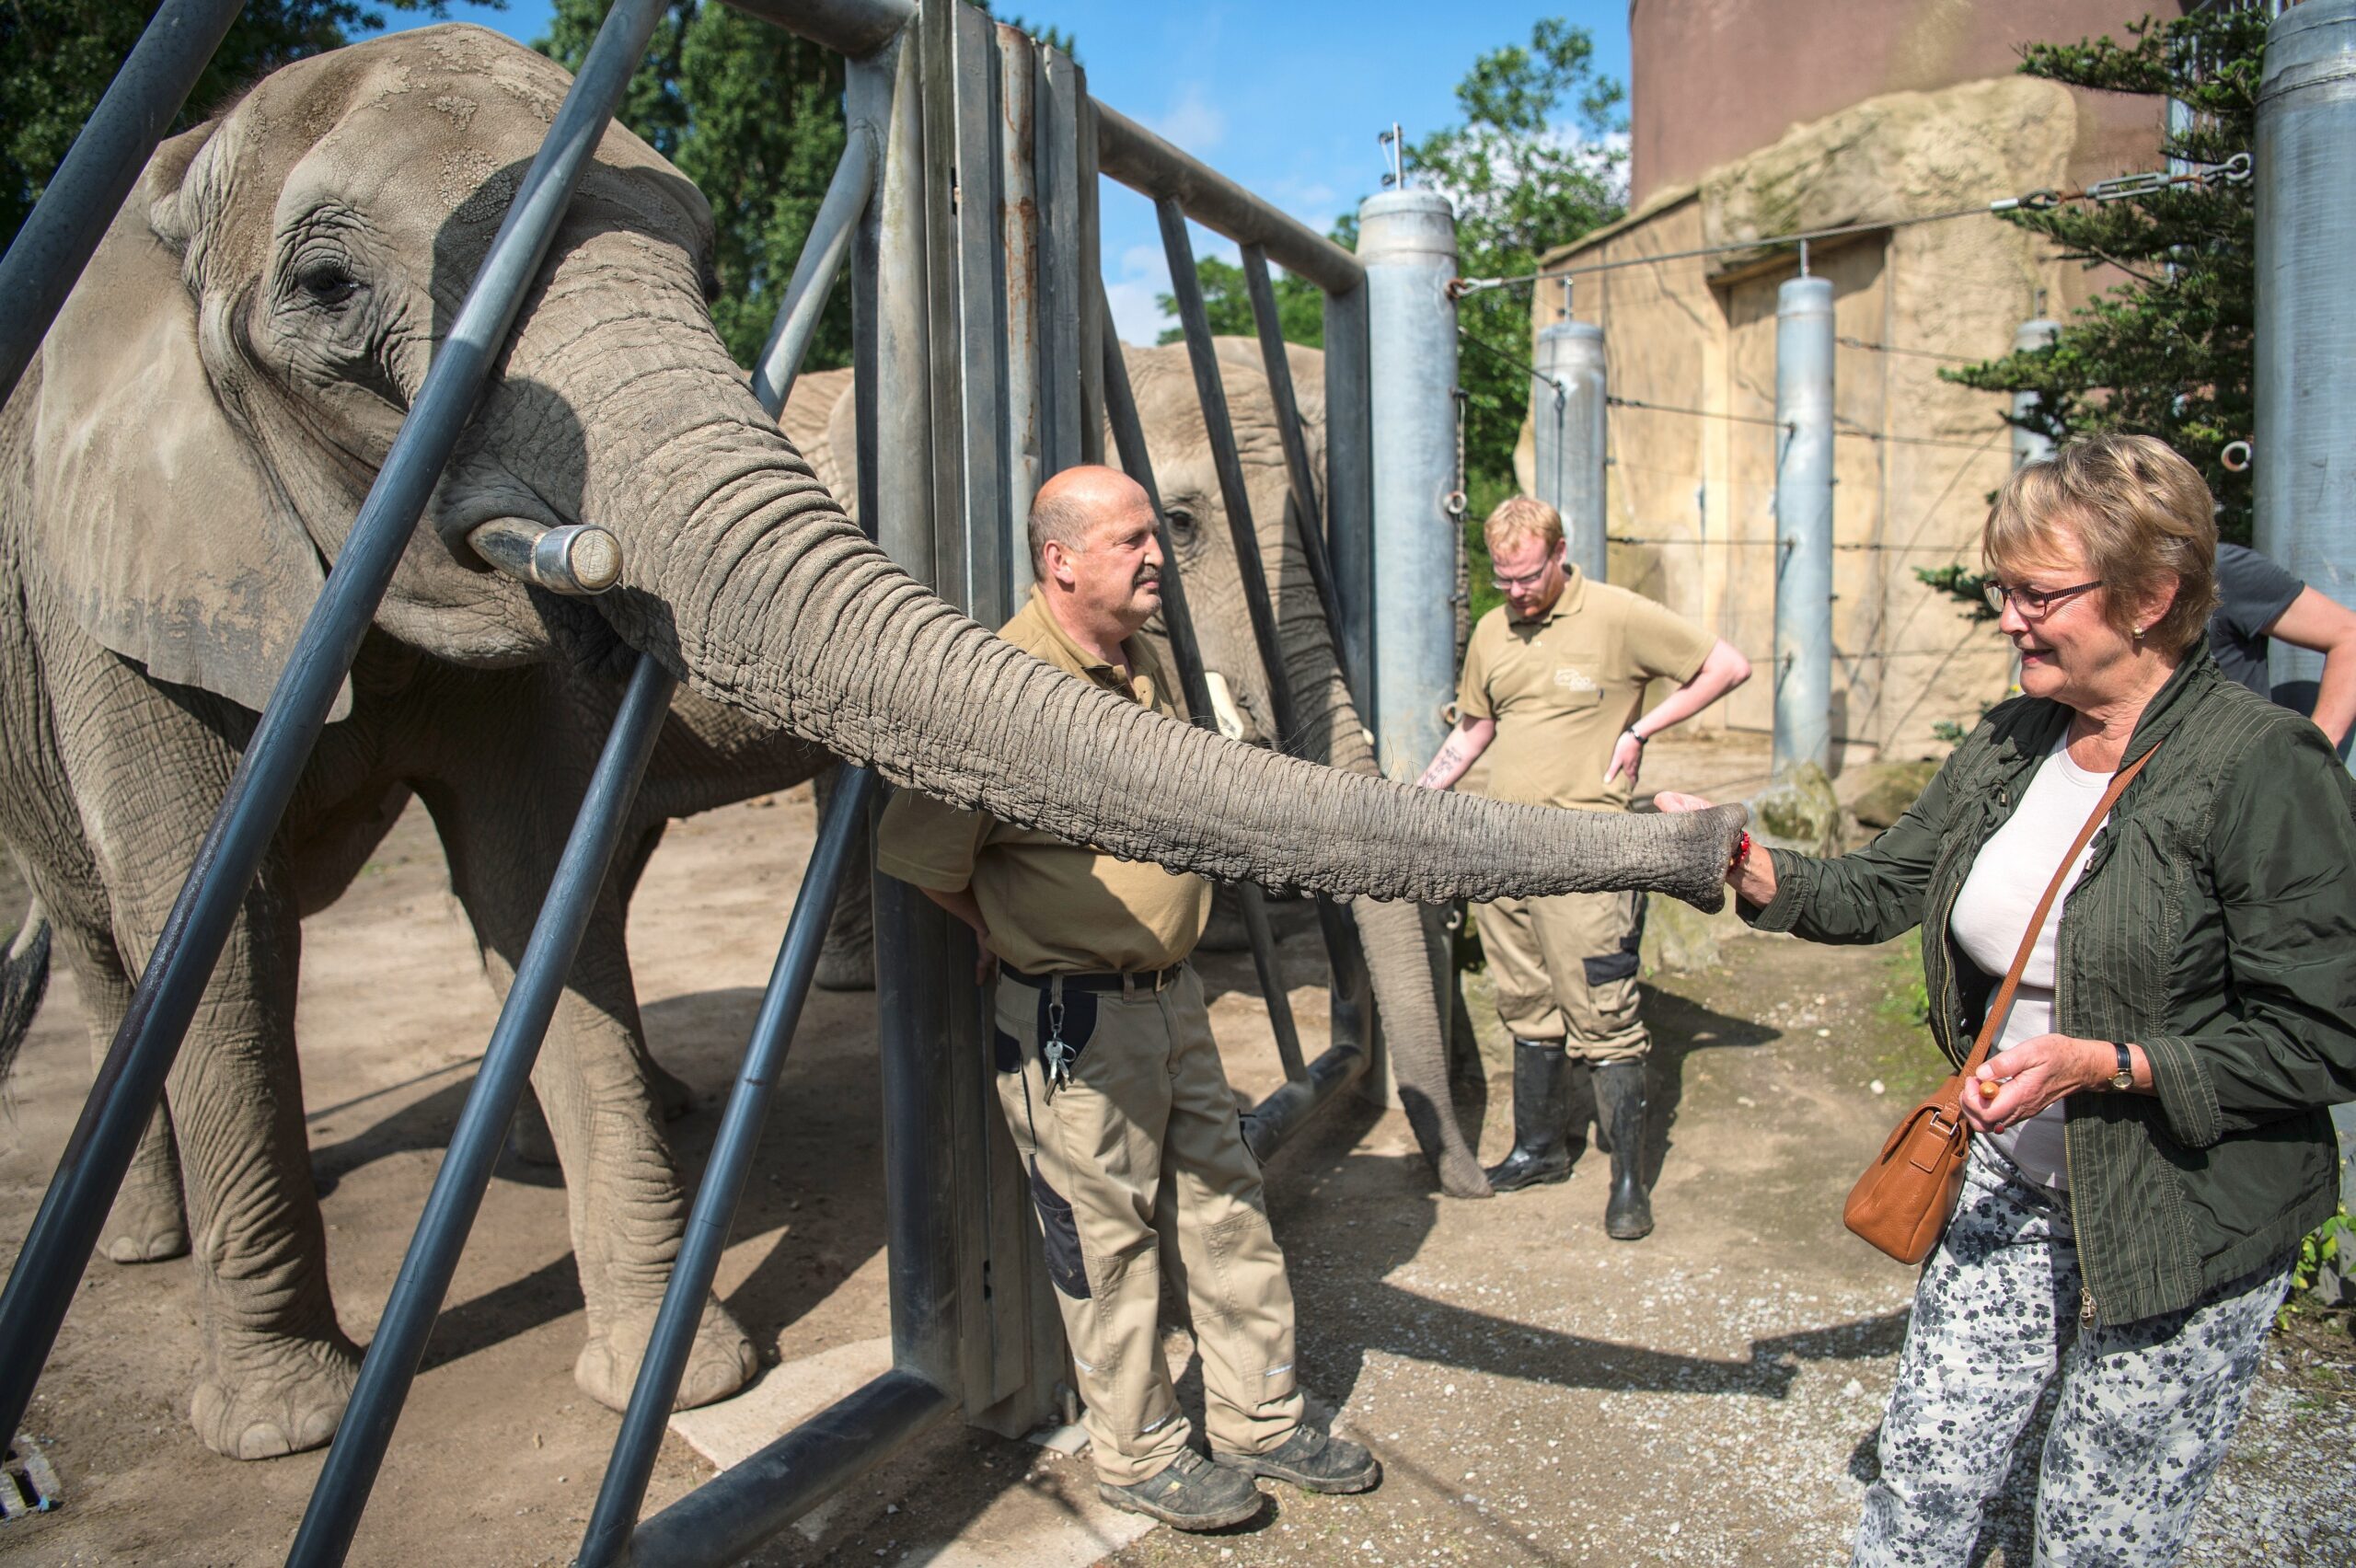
(191, 448)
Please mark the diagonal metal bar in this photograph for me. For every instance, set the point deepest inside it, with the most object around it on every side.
(815, 268)
(1129, 442)
(624, 1488)
(56, 1250)
(1306, 509)
(46, 259)
(342, 1492)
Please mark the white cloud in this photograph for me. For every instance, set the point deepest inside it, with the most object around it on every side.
(1144, 274)
(1193, 122)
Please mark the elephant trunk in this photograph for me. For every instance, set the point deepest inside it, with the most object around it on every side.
(742, 576)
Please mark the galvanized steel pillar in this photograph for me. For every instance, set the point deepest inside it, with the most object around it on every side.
(1407, 242)
(1567, 416)
(2028, 445)
(2305, 414)
(1804, 524)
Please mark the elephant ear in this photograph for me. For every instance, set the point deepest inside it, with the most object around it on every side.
(154, 521)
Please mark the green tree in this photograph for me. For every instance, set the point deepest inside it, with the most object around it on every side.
(1300, 305)
(1534, 165)
(2167, 352)
(57, 57)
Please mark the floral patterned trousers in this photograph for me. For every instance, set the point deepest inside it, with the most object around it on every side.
(2140, 1419)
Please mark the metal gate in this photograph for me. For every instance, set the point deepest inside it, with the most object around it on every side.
(984, 360)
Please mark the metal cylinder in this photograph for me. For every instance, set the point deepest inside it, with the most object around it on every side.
(2305, 419)
(1407, 242)
(2028, 445)
(1567, 414)
(1804, 524)
(2304, 465)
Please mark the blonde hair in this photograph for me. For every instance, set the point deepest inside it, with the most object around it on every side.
(1522, 517)
(2141, 515)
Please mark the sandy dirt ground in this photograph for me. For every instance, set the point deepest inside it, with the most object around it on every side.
(1538, 1394)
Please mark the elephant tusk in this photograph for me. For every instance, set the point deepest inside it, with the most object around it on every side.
(578, 558)
(1230, 722)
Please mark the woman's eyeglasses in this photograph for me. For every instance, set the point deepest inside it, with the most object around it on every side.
(2034, 603)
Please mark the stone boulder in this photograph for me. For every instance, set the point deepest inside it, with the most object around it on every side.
(1798, 811)
(1889, 788)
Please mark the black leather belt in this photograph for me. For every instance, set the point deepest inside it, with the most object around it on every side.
(1146, 980)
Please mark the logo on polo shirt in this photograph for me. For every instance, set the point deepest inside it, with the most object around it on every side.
(1570, 678)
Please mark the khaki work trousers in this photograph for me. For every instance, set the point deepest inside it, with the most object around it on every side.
(1565, 968)
(1145, 1141)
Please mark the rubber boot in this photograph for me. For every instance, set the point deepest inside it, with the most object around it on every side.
(1619, 1105)
(1541, 1111)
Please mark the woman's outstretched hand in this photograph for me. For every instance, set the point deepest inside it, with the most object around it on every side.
(1751, 873)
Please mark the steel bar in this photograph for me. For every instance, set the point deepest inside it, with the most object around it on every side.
(1268, 1124)
(1095, 325)
(2304, 428)
(723, 1187)
(855, 29)
(340, 1494)
(1227, 459)
(728, 1516)
(49, 1266)
(814, 270)
(2028, 445)
(1567, 413)
(1407, 239)
(1272, 982)
(1349, 487)
(1026, 360)
(1065, 346)
(1311, 516)
(1804, 350)
(1145, 163)
(63, 231)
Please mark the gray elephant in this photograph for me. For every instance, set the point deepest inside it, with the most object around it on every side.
(193, 447)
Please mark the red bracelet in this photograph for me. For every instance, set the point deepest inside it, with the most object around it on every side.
(1741, 853)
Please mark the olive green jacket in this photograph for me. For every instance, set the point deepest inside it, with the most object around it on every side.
(2215, 925)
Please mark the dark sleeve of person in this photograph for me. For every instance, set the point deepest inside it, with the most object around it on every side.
(2252, 591)
(2284, 840)
(1868, 896)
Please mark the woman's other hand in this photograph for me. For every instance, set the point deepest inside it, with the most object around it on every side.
(2024, 1080)
(1751, 873)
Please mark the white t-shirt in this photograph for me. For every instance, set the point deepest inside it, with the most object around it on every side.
(2009, 877)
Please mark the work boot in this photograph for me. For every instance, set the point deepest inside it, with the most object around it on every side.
(1190, 1493)
(1619, 1106)
(1312, 1461)
(1541, 1116)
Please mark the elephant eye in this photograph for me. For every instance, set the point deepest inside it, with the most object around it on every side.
(1181, 524)
(326, 283)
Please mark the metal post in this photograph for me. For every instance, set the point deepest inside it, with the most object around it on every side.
(62, 234)
(1803, 524)
(2306, 415)
(1349, 488)
(1408, 241)
(1567, 415)
(342, 1492)
(624, 1487)
(130, 1081)
(2028, 445)
(1029, 369)
(815, 268)
(1307, 512)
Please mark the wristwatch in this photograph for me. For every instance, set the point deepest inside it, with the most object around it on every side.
(2124, 1078)
(1631, 732)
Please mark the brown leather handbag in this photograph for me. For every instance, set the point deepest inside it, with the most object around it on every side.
(1902, 1202)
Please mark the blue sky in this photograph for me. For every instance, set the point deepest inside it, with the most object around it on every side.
(1287, 99)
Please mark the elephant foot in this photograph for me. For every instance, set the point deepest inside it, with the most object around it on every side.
(145, 1226)
(1461, 1176)
(277, 1396)
(721, 1361)
(846, 968)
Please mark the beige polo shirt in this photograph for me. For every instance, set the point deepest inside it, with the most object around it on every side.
(1053, 907)
(1563, 686)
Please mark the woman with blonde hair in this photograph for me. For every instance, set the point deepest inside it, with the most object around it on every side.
(2149, 1139)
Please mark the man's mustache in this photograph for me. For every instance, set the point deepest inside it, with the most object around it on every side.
(1148, 577)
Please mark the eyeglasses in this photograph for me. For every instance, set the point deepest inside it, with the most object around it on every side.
(2034, 603)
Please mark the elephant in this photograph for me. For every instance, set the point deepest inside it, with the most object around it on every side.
(187, 456)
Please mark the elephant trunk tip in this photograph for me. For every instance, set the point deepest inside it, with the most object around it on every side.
(1711, 836)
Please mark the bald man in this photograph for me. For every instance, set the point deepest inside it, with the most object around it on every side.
(1111, 1080)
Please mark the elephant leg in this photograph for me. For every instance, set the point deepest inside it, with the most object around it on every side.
(846, 959)
(1398, 962)
(623, 1195)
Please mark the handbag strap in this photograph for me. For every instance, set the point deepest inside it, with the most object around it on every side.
(1992, 1025)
